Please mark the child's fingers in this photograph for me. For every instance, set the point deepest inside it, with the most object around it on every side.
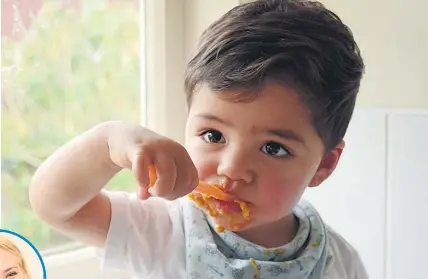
(187, 179)
(140, 168)
(166, 171)
(143, 193)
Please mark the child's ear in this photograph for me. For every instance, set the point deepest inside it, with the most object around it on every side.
(328, 165)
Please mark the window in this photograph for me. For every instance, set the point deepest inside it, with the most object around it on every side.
(66, 65)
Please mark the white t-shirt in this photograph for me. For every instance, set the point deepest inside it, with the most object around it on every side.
(150, 234)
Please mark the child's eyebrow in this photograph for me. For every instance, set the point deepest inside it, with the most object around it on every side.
(212, 117)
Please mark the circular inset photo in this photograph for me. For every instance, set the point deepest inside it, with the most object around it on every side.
(19, 259)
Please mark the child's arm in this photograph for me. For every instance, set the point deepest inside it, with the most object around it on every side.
(66, 189)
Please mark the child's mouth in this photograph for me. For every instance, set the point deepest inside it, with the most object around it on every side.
(227, 206)
(227, 210)
(231, 213)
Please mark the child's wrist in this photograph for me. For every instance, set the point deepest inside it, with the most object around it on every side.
(104, 134)
(119, 137)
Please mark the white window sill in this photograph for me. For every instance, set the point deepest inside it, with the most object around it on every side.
(58, 260)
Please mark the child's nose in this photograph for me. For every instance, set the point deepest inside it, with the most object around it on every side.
(236, 165)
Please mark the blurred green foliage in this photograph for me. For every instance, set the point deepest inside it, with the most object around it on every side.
(72, 70)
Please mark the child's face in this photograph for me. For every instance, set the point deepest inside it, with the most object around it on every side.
(9, 266)
(267, 149)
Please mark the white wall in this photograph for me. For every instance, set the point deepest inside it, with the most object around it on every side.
(407, 197)
(377, 196)
(199, 14)
(393, 36)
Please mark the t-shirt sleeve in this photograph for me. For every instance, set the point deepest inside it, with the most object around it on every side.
(346, 261)
(358, 271)
(139, 233)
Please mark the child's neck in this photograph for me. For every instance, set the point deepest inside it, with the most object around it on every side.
(274, 234)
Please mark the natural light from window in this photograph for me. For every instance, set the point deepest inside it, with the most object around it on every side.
(66, 65)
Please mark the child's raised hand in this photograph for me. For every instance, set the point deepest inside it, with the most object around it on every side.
(137, 148)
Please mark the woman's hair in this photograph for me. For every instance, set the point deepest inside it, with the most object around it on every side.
(9, 246)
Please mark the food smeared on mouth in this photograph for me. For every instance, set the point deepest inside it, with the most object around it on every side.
(226, 211)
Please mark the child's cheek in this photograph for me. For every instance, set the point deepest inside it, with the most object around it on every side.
(273, 191)
(204, 168)
(279, 196)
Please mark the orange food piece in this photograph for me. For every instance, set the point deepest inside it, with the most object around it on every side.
(279, 252)
(212, 191)
(256, 268)
(244, 208)
(152, 175)
(219, 229)
(267, 252)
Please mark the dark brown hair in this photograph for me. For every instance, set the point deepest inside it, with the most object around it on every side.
(296, 43)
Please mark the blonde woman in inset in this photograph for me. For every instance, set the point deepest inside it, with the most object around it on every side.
(12, 263)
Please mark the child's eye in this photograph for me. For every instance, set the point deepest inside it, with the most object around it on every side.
(213, 136)
(274, 149)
